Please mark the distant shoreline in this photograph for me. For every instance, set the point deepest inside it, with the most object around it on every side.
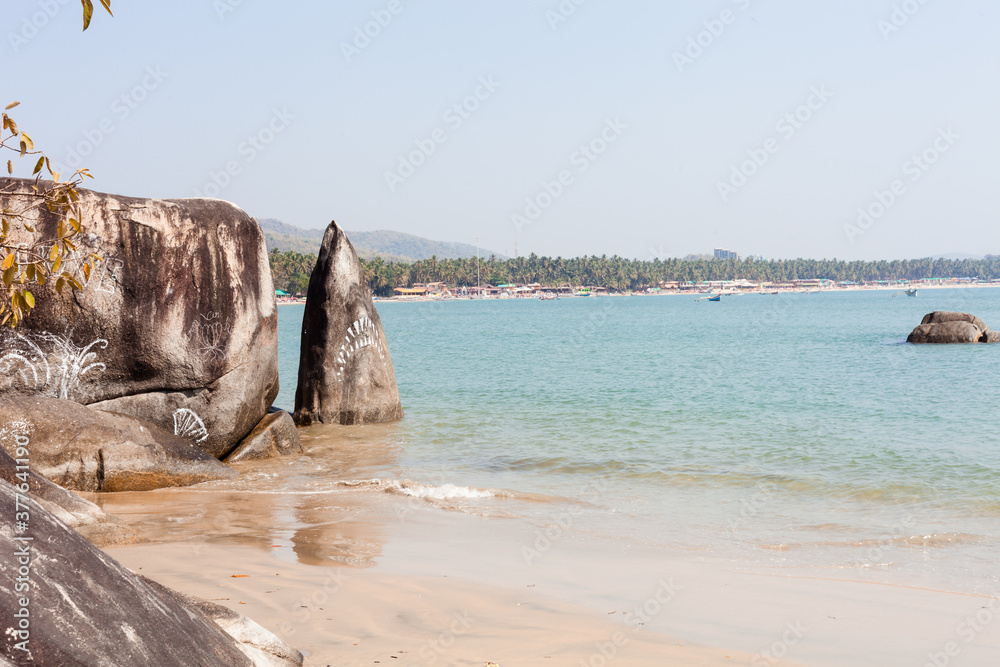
(766, 292)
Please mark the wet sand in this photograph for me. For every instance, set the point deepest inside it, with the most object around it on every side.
(363, 577)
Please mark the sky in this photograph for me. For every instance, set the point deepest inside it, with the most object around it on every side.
(857, 129)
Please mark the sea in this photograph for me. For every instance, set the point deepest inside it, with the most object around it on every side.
(771, 431)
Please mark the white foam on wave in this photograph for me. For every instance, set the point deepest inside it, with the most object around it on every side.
(414, 490)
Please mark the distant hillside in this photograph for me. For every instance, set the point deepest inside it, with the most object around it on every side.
(390, 246)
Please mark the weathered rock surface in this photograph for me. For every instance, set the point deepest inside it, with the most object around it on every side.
(176, 326)
(259, 644)
(84, 449)
(942, 327)
(275, 435)
(85, 609)
(345, 371)
(102, 529)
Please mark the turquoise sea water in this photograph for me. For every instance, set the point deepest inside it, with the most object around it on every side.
(777, 430)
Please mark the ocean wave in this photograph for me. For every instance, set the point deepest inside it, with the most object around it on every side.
(416, 490)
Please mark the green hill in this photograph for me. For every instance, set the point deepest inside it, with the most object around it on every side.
(390, 246)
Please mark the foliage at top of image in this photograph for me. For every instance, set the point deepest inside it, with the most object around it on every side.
(36, 261)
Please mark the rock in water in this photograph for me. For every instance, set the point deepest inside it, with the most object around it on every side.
(89, 450)
(275, 435)
(345, 371)
(176, 326)
(952, 328)
(82, 608)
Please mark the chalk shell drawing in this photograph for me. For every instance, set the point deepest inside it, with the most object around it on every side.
(187, 424)
(50, 364)
(360, 336)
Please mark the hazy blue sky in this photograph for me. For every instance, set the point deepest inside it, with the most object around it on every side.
(168, 94)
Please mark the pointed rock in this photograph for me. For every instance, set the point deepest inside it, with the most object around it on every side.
(345, 371)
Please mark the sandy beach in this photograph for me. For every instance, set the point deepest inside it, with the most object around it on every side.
(361, 576)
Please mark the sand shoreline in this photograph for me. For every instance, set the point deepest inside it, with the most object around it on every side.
(373, 585)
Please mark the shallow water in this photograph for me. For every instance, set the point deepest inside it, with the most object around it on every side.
(771, 431)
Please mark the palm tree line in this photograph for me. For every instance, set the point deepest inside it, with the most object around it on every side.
(291, 271)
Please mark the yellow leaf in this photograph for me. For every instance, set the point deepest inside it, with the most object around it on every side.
(61, 229)
(75, 223)
(10, 167)
(11, 106)
(56, 265)
(7, 262)
(88, 12)
(24, 148)
(29, 298)
(86, 272)
(39, 165)
(9, 275)
(27, 140)
(30, 272)
(107, 5)
(74, 282)
(59, 284)
(54, 253)
(28, 228)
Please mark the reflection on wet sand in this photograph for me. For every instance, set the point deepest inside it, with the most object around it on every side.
(292, 506)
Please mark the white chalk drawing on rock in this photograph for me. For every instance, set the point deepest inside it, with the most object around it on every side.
(187, 424)
(208, 335)
(360, 336)
(48, 363)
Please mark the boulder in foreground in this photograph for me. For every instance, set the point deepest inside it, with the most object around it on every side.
(84, 609)
(941, 327)
(345, 371)
(84, 449)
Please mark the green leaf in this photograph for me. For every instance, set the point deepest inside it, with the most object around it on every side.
(88, 12)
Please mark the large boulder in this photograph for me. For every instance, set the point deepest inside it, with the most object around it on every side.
(942, 327)
(345, 371)
(84, 449)
(102, 529)
(175, 326)
(65, 603)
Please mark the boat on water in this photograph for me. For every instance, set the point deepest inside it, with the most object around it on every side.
(548, 297)
(909, 292)
(717, 297)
